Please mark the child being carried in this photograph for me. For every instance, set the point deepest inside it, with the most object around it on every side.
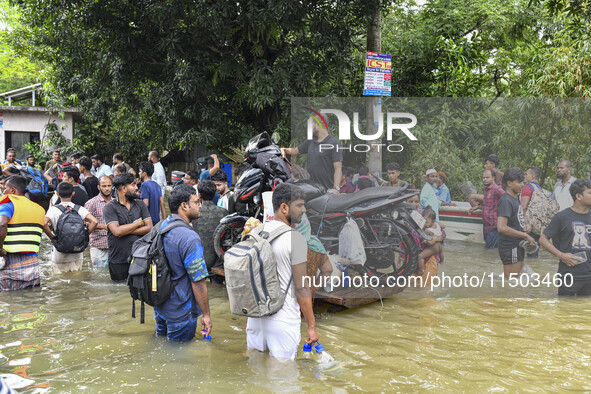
(435, 245)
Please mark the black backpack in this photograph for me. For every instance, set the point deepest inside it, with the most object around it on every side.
(149, 277)
(71, 234)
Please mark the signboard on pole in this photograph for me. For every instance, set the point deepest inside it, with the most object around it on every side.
(378, 74)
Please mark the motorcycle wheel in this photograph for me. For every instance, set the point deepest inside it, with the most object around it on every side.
(227, 235)
(400, 259)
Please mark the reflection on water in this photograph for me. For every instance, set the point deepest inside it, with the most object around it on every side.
(76, 333)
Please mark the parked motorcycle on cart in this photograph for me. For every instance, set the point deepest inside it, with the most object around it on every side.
(385, 222)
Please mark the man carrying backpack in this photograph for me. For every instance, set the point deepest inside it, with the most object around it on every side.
(538, 208)
(67, 225)
(177, 317)
(280, 332)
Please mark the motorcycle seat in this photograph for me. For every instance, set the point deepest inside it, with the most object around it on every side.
(341, 202)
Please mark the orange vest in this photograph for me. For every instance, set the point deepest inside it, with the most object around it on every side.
(25, 227)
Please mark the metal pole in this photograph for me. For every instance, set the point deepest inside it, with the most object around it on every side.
(374, 44)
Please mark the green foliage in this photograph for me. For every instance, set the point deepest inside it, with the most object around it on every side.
(171, 73)
(177, 72)
(457, 48)
(52, 140)
(16, 70)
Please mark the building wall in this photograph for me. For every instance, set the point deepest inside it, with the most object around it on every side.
(31, 119)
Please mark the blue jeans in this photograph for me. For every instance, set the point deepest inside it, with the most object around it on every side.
(492, 239)
(176, 332)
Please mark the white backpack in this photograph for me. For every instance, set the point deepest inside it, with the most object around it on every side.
(251, 274)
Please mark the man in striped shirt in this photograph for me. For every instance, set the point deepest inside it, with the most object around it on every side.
(99, 249)
(490, 202)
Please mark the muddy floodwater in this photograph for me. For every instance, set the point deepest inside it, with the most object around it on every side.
(75, 333)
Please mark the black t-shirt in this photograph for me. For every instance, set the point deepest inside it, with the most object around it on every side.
(91, 184)
(509, 207)
(80, 197)
(120, 247)
(320, 161)
(571, 233)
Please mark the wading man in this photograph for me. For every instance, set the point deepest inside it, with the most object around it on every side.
(491, 163)
(66, 262)
(21, 225)
(562, 187)
(209, 218)
(159, 175)
(428, 196)
(570, 231)
(280, 333)
(490, 203)
(127, 220)
(177, 317)
(510, 222)
(151, 193)
(99, 247)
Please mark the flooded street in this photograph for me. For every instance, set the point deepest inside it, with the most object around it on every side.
(76, 333)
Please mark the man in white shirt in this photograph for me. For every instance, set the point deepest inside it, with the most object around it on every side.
(562, 187)
(280, 333)
(220, 178)
(101, 169)
(65, 262)
(159, 175)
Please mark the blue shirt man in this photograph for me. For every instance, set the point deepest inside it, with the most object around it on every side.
(151, 191)
(428, 195)
(177, 317)
(443, 193)
(213, 165)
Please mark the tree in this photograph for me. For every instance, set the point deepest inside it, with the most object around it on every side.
(177, 72)
(16, 70)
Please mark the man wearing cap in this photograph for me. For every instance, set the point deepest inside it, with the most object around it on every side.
(428, 197)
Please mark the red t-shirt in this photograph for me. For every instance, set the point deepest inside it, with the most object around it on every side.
(527, 191)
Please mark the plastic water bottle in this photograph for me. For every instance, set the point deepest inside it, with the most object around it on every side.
(307, 350)
(323, 357)
(345, 275)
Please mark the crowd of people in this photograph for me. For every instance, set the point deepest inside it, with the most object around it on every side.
(515, 216)
(519, 215)
(105, 198)
(117, 205)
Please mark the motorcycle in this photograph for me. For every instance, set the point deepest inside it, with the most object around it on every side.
(385, 222)
(268, 169)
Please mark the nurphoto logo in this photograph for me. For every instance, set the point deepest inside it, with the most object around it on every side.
(393, 123)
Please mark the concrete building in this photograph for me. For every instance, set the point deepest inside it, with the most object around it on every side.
(20, 125)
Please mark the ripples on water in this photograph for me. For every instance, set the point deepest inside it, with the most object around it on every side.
(75, 334)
